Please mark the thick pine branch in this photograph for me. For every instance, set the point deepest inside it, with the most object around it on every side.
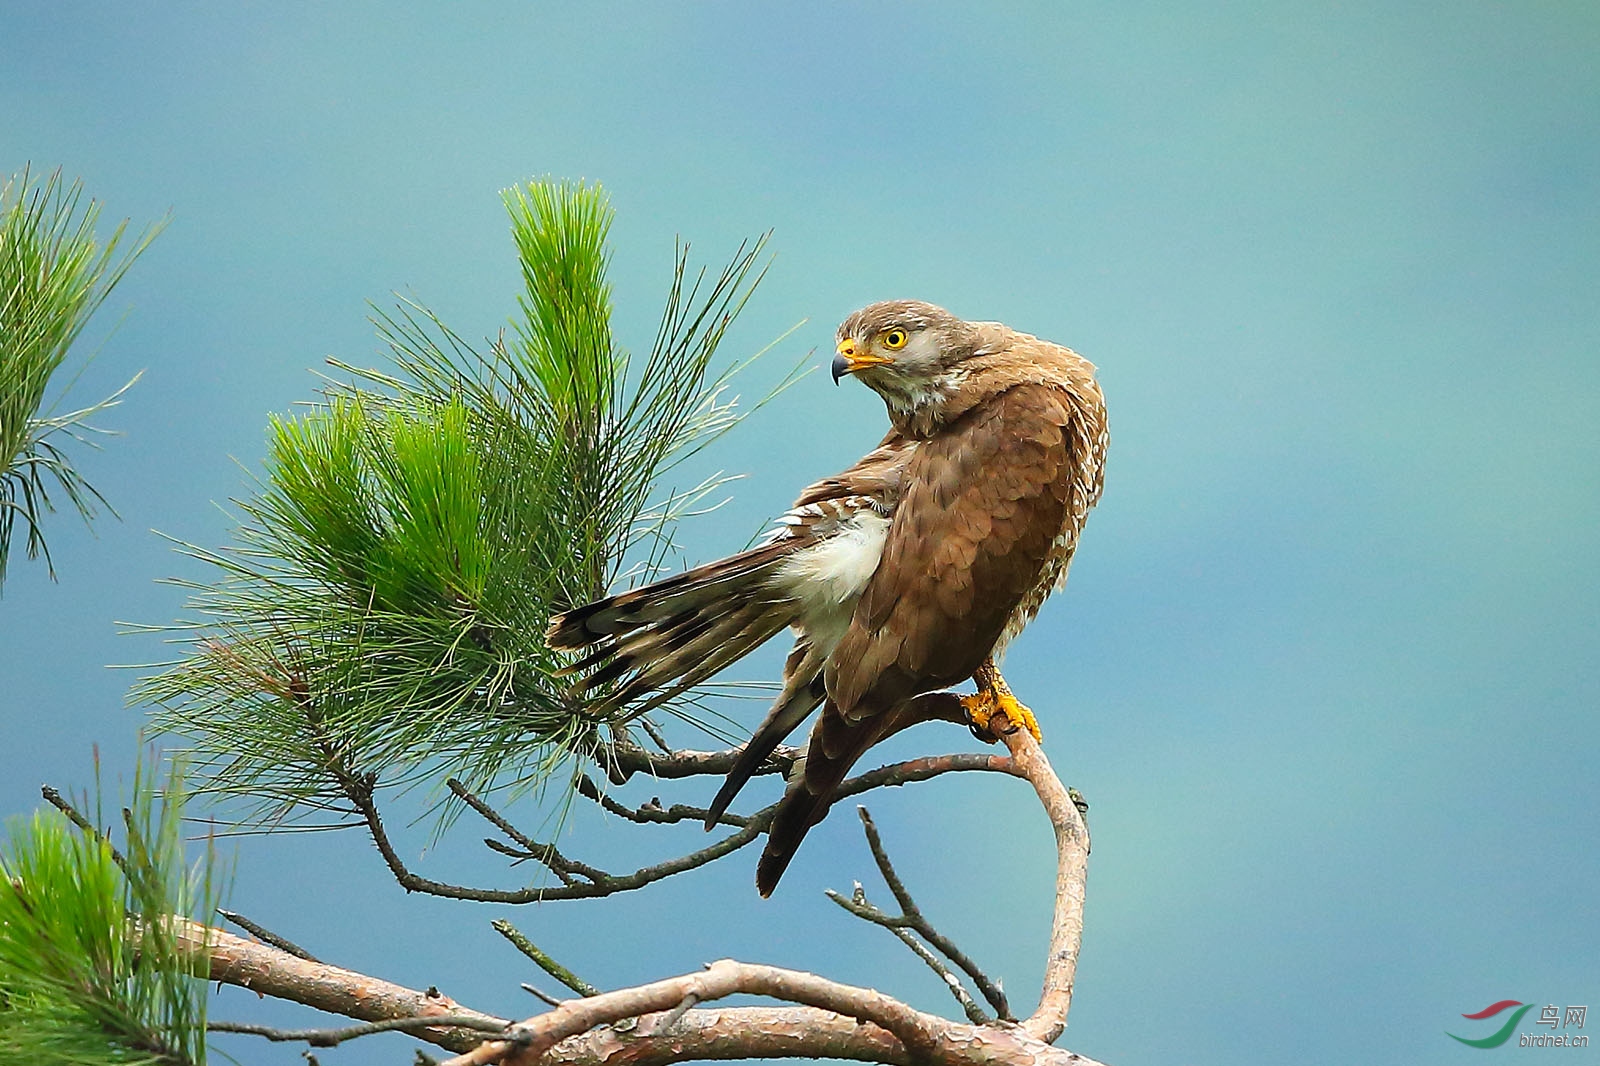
(657, 1024)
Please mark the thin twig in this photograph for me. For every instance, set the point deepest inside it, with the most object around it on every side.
(542, 996)
(924, 769)
(915, 919)
(267, 936)
(859, 906)
(360, 791)
(652, 813)
(547, 854)
(623, 759)
(335, 1037)
(62, 804)
(675, 1015)
(519, 855)
(490, 815)
(655, 735)
(520, 941)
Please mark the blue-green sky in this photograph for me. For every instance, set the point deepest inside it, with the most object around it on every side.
(1329, 665)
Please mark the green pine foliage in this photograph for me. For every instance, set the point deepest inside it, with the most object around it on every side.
(54, 273)
(381, 617)
(91, 969)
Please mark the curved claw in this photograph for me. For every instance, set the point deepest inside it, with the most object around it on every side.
(983, 705)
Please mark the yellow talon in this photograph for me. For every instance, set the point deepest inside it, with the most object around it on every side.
(994, 697)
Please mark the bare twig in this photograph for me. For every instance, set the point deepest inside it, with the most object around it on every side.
(652, 813)
(543, 997)
(335, 1037)
(360, 790)
(520, 941)
(858, 905)
(924, 769)
(267, 936)
(521, 855)
(911, 917)
(547, 854)
(62, 804)
(623, 759)
(675, 1015)
(655, 735)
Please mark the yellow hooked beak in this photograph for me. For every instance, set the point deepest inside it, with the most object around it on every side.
(852, 358)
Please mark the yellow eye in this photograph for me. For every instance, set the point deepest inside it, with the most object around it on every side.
(894, 340)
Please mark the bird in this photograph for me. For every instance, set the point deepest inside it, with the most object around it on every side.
(907, 573)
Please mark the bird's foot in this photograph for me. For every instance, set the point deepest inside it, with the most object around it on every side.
(983, 705)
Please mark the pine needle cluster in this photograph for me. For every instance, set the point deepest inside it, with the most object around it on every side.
(54, 274)
(92, 969)
(381, 617)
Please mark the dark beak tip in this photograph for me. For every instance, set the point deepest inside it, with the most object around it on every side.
(841, 367)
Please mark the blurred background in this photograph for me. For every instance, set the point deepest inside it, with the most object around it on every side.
(1328, 667)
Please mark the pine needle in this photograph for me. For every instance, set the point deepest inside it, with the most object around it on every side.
(54, 274)
(382, 610)
(90, 968)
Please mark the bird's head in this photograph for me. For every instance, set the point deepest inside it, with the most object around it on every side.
(906, 351)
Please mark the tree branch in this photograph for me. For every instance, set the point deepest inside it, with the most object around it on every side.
(270, 971)
(360, 790)
(539, 1034)
(623, 759)
(652, 813)
(911, 918)
(62, 804)
(547, 854)
(824, 1018)
(262, 933)
(335, 1037)
(1049, 1019)
(520, 941)
(858, 905)
(804, 1031)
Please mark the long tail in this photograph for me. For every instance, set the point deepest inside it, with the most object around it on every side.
(664, 638)
(802, 691)
(836, 743)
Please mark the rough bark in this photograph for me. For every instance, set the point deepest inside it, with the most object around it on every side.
(661, 1022)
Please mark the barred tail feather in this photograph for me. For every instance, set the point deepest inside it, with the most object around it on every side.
(691, 590)
(697, 660)
(662, 639)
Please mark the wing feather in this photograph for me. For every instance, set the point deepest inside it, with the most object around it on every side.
(983, 503)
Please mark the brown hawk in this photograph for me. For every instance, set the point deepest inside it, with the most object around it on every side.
(907, 573)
